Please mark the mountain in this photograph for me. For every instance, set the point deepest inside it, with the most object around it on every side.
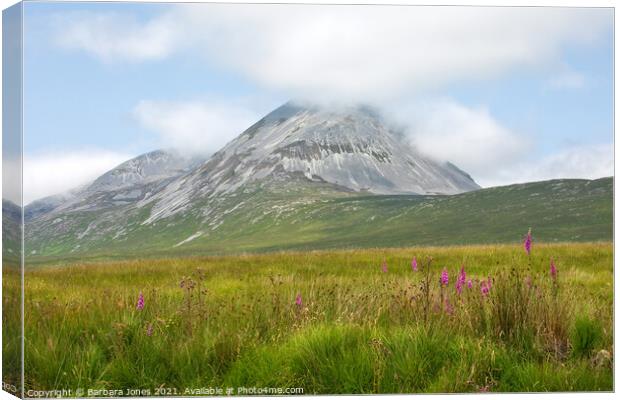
(130, 181)
(47, 204)
(351, 149)
(156, 166)
(301, 177)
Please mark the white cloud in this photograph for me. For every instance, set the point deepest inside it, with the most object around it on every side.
(345, 52)
(567, 79)
(378, 55)
(117, 36)
(493, 154)
(195, 127)
(468, 137)
(57, 172)
(585, 162)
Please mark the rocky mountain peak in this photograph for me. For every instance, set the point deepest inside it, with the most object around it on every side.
(351, 147)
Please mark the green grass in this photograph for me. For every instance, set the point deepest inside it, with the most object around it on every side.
(232, 321)
(11, 327)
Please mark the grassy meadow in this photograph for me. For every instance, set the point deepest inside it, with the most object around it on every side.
(350, 321)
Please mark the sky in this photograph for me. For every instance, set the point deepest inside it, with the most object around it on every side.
(507, 94)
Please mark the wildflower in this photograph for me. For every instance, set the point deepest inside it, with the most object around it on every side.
(527, 243)
(460, 280)
(484, 288)
(470, 284)
(149, 329)
(553, 270)
(384, 266)
(140, 304)
(298, 300)
(444, 278)
(414, 264)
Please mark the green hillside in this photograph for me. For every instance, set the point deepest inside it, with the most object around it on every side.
(298, 217)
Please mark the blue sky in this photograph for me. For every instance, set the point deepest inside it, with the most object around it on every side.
(75, 100)
(509, 95)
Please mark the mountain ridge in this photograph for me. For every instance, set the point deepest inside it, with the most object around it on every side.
(280, 172)
(350, 149)
(125, 182)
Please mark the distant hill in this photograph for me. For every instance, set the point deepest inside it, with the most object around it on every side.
(312, 215)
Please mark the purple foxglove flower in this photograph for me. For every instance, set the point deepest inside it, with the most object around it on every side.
(527, 243)
(444, 278)
(460, 280)
(414, 264)
(298, 300)
(384, 267)
(553, 270)
(140, 304)
(484, 289)
(470, 284)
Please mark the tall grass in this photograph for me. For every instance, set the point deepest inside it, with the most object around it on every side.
(236, 321)
(11, 328)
